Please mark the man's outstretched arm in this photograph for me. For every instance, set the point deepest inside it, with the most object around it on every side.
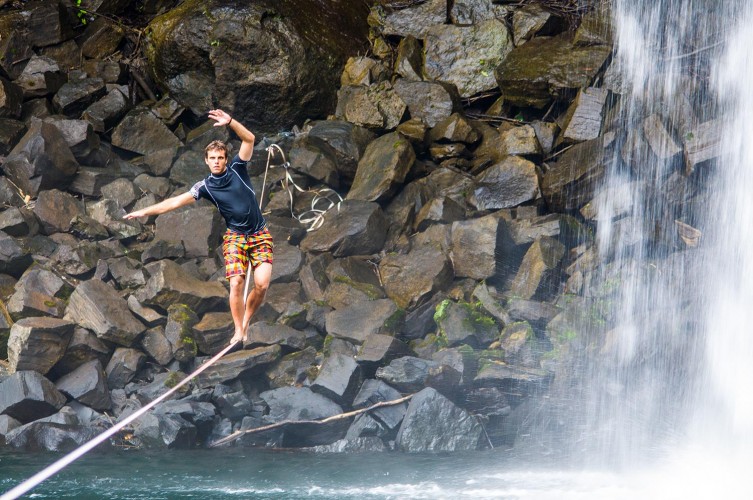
(247, 138)
(163, 206)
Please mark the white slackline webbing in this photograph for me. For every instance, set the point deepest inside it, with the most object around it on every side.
(46, 473)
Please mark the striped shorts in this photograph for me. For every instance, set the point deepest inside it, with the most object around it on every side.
(239, 249)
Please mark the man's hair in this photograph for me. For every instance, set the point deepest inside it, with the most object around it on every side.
(215, 146)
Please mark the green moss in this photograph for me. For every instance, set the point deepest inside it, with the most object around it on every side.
(327, 343)
(440, 312)
(397, 318)
(173, 379)
(371, 291)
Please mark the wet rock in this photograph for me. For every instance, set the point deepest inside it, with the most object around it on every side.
(413, 20)
(83, 347)
(98, 307)
(300, 403)
(430, 102)
(409, 59)
(356, 322)
(702, 144)
(538, 268)
(379, 350)
(179, 331)
(375, 391)
(410, 278)
(439, 210)
(475, 11)
(140, 131)
(406, 374)
(433, 423)
(38, 343)
(232, 405)
(530, 20)
(264, 334)
(123, 366)
(27, 396)
(234, 364)
(165, 431)
(544, 67)
(659, 139)
(101, 38)
(582, 121)
(40, 77)
(87, 384)
(363, 71)
(568, 184)
(512, 379)
(287, 262)
(382, 168)
(156, 345)
(15, 50)
(41, 160)
(368, 444)
(506, 184)
(463, 323)
(11, 132)
(7, 424)
(466, 56)
(339, 379)
(51, 436)
(355, 228)
(200, 414)
(474, 244)
(169, 283)
(292, 369)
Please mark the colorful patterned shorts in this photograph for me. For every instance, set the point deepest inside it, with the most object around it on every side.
(238, 249)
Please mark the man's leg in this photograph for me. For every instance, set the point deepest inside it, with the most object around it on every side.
(262, 276)
(236, 306)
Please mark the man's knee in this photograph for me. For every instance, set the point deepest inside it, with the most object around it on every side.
(236, 283)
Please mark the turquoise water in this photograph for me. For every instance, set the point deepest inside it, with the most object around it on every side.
(262, 474)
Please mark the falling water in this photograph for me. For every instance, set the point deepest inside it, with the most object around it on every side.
(671, 379)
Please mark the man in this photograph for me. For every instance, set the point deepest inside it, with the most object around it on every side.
(247, 240)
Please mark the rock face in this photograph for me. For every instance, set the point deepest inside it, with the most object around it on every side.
(38, 343)
(27, 396)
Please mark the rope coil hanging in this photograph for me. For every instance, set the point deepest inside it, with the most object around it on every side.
(324, 199)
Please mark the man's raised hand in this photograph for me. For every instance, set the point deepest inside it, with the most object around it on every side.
(220, 117)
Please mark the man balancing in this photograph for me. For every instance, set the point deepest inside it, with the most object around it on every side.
(247, 239)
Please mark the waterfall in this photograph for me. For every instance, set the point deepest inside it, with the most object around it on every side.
(672, 376)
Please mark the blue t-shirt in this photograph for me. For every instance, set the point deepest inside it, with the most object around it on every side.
(234, 196)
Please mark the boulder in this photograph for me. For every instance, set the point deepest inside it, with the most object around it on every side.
(569, 182)
(87, 384)
(179, 332)
(83, 347)
(339, 378)
(413, 20)
(431, 102)
(379, 350)
(406, 374)
(377, 106)
(140, 131)
(11, 98)
(96, 306)
(213, 332)
(39, 292)
(38, 343)
(107, 111)
(156, 345)
(582, 122)
(544, 67)
(51, 436)
(41, 160)
(382, 168)
(355, 227)
(55, 210)
(375, 391)
(433, 423)
(75, 96)
(11, 132)
(27, 396)
(300, 403)
(14, 259)
(123, 366)
(356, 322)
(463, 323)
(205, 234)
(40, 77)
(474, 247)
(466, 56)
(538, 271)
(264, 334)
(530, 20)
(292, 369)
(235, 364)
(169, 283)
(506, 184)
(412, 277)
(288, 260)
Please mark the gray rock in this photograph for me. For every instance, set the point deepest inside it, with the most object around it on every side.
(169, 284)
(439, 210)
(413, 20)
(205, 234)
(529, 20)
(354, 228)
(78, 134)
(213, 332)
(83, 347)
(11, 132)
(409, 59)
(374, 391)
(74, 97)
(568, 183)
(406, 374)
(367, 444)
(40, 77)
(55, 210)
(356, 322)
(101, 38)
(474, 245)
(41, 160)
(288, 260)
(702, 144)
(292, 369)
(382, 168)
(51, 436)
(505, 184)
(430, 102)
(379, 349)
(263, 334)
(582, 121)
(14, 260)
(463, 323)
(142, 132)
(123, 365)
(659, 139)
(38, 343)
(156, 345)
(107, 111)
(410, 278)
(87, 384)
(234, 364)
(11, 98)
(98, 307)
(433, 423)
(339, 378)
(300, 403)
(179, 331)
(466, 56)
(38, 292)
(27, 396)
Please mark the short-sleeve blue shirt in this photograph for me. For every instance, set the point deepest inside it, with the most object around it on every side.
(234, 196)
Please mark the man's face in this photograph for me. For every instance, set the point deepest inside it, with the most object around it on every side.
(216, 161)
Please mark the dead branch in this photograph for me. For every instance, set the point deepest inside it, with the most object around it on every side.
(333, 418)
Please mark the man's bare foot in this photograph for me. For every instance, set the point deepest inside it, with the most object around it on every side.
(238, 337)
